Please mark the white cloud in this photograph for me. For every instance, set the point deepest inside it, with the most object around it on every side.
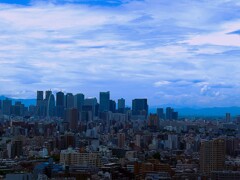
(134, 47)
(161, 83)
(219, 38)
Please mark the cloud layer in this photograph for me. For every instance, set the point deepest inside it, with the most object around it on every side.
(172, 52)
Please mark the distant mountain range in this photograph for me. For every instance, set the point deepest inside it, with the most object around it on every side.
(207, 112)
(183, 111)
(27, 102)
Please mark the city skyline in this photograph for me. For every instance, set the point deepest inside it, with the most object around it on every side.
(134, 49)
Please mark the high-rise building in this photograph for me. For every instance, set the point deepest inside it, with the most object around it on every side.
(72, 117)
(39, 96)
(121, 105)
(90, 105)
(160, 113)
(7, 105)
(45, 102)
(121, 140)
(51, 106)
(78, 101)
(18, 109)
(169, 112)
(47, 94)
(112, 106)
(60, 104)
(104, 101)
(140, 107)
(228, 117)
(40, 103)
(69, 100)
(212, 156)
(86, 116)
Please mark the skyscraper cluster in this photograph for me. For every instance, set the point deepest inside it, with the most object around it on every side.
(60, 105)
(88, 108)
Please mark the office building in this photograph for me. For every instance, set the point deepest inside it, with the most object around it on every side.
(121, 105)
(18, 109)
(40, 103)
(90, 105)
(212, 156)
(60, 104)
(51, 106)
(79, 101)
(160, 113)
(72, 116)
(169, 112)
(112, 107)
(47, 94)
(140, 107)
(39, 97)
(7, 105)
(86, 116)
(104, 101)
(69, 100)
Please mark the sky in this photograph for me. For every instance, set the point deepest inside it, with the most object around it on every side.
(180, 52)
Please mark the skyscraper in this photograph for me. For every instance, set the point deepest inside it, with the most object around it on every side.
(7, 104)
(121, 105)
(89, 107)
(104, 101)
(60, 104)
(140, 107)
(169, 112)
(47, 94)
(212, 156)
(51, 106)
(79, 101)
(72, 117)
(160, 113)
(112, 106)
(69, 100)
(18, 109)
(40, 103)
(39, 96)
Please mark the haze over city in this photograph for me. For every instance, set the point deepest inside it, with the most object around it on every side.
(171, 52)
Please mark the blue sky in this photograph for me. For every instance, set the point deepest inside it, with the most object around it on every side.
(182, 52)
